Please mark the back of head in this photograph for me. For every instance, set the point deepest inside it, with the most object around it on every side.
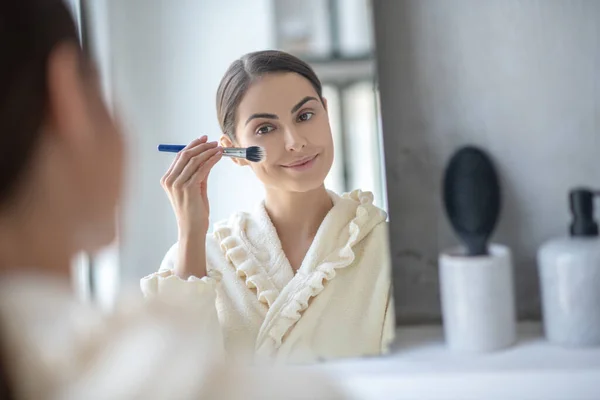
(29, 31)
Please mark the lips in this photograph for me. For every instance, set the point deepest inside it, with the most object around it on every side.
(300, 162)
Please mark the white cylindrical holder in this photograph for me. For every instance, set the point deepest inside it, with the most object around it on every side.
(478, 300)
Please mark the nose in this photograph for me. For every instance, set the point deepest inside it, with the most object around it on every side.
(294, 141)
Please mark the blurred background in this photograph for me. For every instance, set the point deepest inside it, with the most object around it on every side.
(161, 62)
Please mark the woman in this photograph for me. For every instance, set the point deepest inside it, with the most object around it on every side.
(61, 159)
(306, 277)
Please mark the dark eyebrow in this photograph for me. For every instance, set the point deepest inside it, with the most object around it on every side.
(273, 116)
(261, 115)
(301, 103)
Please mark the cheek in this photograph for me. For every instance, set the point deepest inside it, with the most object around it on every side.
(262, 171)
(269, 168)
(275, 152)
(111, 157)
(272, 144)
(268, 173)
(320, 134)
(247, 140)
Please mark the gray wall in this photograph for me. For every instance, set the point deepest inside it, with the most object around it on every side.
(519, 78)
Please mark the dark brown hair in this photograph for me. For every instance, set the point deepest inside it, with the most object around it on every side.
(243, 72)
(29, 31)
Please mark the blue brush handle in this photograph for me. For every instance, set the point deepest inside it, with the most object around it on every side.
(171, 148)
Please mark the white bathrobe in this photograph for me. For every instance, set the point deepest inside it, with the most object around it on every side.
(338, 304)
(57, 349)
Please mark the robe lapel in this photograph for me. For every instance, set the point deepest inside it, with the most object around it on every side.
(347, 223)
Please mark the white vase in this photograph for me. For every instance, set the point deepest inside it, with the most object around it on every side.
(478, 300)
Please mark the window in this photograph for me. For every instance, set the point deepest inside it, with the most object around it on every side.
(336, 38)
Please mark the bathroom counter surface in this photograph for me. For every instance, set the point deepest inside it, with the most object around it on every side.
(420, 367)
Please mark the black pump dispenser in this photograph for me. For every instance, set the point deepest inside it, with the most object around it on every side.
(581, 201)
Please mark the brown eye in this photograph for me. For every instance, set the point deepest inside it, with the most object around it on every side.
(305, 116)
(263, 130)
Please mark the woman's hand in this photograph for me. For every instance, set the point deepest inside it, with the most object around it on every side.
(186, 185)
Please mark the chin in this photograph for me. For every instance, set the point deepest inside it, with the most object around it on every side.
(303, 186)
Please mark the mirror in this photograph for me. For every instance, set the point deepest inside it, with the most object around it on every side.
(302, 274)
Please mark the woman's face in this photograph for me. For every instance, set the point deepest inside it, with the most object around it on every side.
(283, 114)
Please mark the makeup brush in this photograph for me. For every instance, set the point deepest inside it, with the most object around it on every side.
(472, 198)
(252, 153)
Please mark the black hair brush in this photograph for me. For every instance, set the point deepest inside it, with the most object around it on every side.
(472, 198)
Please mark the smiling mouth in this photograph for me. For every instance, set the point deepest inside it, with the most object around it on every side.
(301, 163)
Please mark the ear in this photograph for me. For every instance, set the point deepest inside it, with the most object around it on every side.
(66, 93)
(225, 141)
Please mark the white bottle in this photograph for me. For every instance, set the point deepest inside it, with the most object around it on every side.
(569, 271)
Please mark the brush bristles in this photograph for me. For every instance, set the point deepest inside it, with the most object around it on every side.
(255, 154)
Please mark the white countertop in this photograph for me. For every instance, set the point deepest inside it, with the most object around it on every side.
(421, 367)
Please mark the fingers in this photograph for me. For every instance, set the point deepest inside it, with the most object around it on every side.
(195, 163)
(202, 173)
(210, 163)
(184, 157)
(193, 143)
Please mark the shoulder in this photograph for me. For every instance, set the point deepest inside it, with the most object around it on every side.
(363, 201)
(372, 222)
(380, 231)
(365, 220)
(378, 238)
(55, 339)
